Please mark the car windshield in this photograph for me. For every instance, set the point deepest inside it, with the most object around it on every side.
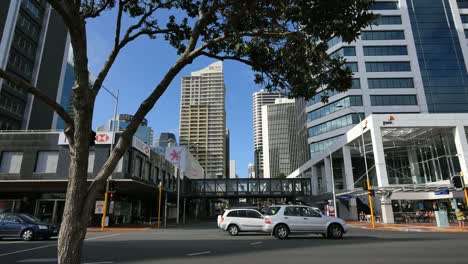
(272, 210)
(29, 218)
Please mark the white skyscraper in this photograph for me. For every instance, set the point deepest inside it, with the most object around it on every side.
(203, 118)
(260, 99)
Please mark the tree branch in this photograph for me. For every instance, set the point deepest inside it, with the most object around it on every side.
(23, 85)
(61, 8)
(218, 57)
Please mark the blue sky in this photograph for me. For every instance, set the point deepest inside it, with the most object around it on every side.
(140, 67)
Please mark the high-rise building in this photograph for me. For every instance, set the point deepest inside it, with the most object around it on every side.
(284, 146)
(251, 171)
(414, 61)
(203, 118)
(34, 46)
(260, 99)
(66, 95)
(232, 169)
(144, 132)
(163, 140)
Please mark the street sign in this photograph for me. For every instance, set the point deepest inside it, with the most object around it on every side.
(99, 209)
(442, 192)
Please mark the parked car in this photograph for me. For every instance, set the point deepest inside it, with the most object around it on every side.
(25, 226)
(281, 220)
(241, 220)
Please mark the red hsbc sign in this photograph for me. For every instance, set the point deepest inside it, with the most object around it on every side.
(102, 138)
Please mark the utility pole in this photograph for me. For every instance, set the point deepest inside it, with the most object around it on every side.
(106, 194)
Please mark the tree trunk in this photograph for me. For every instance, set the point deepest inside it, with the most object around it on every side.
(73, 228)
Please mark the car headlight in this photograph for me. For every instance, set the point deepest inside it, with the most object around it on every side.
(43, 227)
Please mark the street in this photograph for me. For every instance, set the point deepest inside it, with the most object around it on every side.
(205, 244)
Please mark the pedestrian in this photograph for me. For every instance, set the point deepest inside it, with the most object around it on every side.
(362, 216)
(460, 218)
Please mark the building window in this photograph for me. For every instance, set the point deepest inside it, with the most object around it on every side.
(388, 20)
(462, 3)
(384, 100)
(466, 33)
(138, 166)
(156, 175)
(344, 52)
(47, 162)
(355, 100)
(385, 50)
(91, 159)
(147, 172)
(11, 162)
(385, 5)
(332, 42)
(322, 145)
(335, 124)
(464, 18)
(356, 84)
(33, 8)
(390, 83)
(383, 35)
(318, 97)
(394, 66)
(353, 66)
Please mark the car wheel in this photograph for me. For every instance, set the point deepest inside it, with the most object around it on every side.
(233, 230)
(281, 232)
(335, 231)
(27, 235)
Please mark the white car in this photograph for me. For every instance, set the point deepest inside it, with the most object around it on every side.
(281, 220)
(241, 220)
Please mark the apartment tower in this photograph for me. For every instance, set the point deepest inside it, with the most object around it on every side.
(203, 118)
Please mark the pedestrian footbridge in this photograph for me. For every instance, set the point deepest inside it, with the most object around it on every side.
(233, 188)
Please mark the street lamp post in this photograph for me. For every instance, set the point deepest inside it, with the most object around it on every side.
(364, 153)
(106, 194)
(333, 184)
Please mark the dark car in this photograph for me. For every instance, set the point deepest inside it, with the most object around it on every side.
(25, 226)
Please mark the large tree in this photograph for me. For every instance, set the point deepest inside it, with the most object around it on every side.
(283, 41)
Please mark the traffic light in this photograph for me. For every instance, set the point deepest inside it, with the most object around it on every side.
(111, 186)
(457, 182)
(92, 138)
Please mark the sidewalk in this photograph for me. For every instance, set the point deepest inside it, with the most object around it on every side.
(419, 227)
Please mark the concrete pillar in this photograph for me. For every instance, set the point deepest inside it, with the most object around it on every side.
(413, 162)
(314, 180)
(349, 180)
(462, 149)
(379, 157)
(387, 210)
(327, 177)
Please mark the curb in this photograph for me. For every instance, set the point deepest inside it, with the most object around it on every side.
(411, 229)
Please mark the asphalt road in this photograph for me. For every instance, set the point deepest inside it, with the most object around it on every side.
(199, 244)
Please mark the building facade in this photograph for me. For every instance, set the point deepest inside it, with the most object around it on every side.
(34, 45)
(232, 169)
(284, 147)
(413, 61)
(203, 118)
(144, 132)
(34, 172)
(164, 139)
(260, 99)
(251, 170)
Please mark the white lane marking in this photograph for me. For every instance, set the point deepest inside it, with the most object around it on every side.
(41, 260)
(51, 245)
(199, 253)
(19, 242)
(255, 243)
(101, 262)
(93, 238)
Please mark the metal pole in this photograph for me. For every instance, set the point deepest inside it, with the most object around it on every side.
(165, 211)
(178, 194)
(104, 213)
(185, 201)
(333, 185)
(369, 196)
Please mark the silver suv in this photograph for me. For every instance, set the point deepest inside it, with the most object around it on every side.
(241, 220)
(281, 220)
